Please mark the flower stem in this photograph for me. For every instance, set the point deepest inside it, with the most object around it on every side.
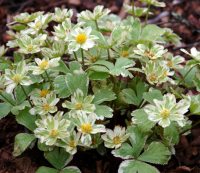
(147, 15)
(83, 63)
(185, 75)
(133, 10)
(75, 56)
(49, 79)
(108, 52)
(23, 89)
(6, 99)
(96, 25)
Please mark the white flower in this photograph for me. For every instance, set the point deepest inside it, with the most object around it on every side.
(17, 77)
(157, 73)
(29, 45)
(86, 125)
(44, 64)
(194, 53)
(167, 110)
(174, 62)
(44, 105)
(40, 23)
(115, 138)
(81, 38)
(61, 15)
(98, 13)
(40, 93)
(79, 102)
(70, 143)
(151, 52)
(154, 3)
(52, 128)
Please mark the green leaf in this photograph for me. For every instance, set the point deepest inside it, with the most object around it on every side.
(26, 119)
(22, 141)
(156, 153)
(70, 169)
(126, 151)
(103, 111)
(133, 166)
(152, 94)
(194, 106)
(103, 95)
(171, 134)
(77, 81)
(4, 109)
(151, 32)
(61, 87)
(62, 67)
(137, 139)
(44, 169)
(20, 96)
(130, 97)
(58, 157)
(94, 75)
(142, 120)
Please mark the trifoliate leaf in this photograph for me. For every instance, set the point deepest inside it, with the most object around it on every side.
(152, 94)
(22, 141)
(129, 97)
(171, 134)
(125, 151)
(77, 81)
(70, 169)
(58, 157)
(156, 153)
(44, 169)
(61, 87)
(26, 119)
(103, 111)
(4, 109)
(142, 120)
(104, 95)
(137, 139)
(133, 166)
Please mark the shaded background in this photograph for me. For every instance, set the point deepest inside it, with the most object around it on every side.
(183, 16)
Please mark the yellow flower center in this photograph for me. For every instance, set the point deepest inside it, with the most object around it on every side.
(124, 53)
(53, 133)
(165, 113)
(78, 106)
(81, 38)
(116, 140)
(152, 77)
(44, 64)
(72, 144)
(46, 107)
(44, 92)
(86, 128)
(17, 78)
(150, 55)
(93, 59)
(30, 47)
(38, 25)
(169, 63)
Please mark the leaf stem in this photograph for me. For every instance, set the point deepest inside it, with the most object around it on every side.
(96, 25)
(147, 15)
(6, 99)
(108, 52)
(27, 97)
(49, 79)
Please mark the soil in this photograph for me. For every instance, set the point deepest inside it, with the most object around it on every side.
(183, 16)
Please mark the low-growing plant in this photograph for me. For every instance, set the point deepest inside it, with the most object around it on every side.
(102, 82)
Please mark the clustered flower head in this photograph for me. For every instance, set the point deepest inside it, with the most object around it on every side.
(167, 110)
(75, 85)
